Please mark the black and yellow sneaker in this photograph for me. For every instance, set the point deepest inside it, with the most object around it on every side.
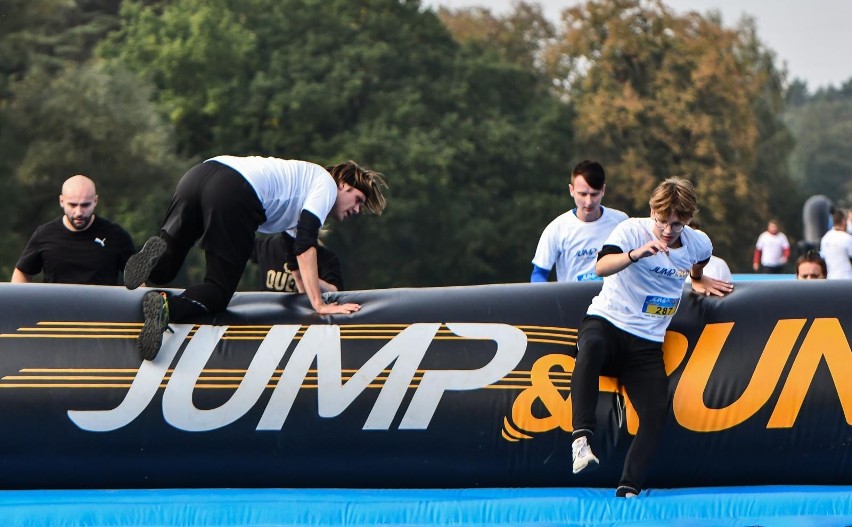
(140, 265)
(155, 308)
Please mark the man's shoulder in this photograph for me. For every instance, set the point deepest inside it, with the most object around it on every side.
(102, 222)
(697, 237)
(103, 225)
(53, 227)
(634, 224)
(564, 220)
(613, 215)
(838, 235)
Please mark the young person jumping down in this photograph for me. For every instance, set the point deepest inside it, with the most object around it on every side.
(644, 262)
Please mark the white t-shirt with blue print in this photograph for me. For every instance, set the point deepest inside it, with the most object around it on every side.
(642, 298)
(572, 245)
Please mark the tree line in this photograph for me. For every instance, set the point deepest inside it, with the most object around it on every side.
(474, 118)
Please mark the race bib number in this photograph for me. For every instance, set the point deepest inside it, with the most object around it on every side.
(660, 306)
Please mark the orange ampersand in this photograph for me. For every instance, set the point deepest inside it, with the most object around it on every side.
(544, 388)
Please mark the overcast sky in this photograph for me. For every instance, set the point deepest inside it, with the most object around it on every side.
(812, 37)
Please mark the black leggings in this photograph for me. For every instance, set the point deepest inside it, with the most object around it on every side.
(215, 205)
(638, 364)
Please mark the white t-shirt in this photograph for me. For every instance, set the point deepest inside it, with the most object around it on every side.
(642, 298)
(772, 247)
(717, 268)
(285, 187)
(572, 244)
(836, 249)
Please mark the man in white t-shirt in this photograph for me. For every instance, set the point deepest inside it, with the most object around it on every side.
(644, 263)
(221, 203)
(571, 241)
(771, 250)
(836, 248)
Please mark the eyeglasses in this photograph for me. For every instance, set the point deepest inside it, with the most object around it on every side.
(674, 227)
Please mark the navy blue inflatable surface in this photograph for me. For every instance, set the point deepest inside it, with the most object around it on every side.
(423, 388)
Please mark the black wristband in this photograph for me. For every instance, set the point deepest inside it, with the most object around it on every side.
(696, 278)
(630, 257)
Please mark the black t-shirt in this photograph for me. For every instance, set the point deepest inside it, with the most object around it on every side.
(94, 256)
(275, 257)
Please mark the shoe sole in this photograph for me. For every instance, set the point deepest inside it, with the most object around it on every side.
(588, 467)
(151, 337)
(140, 265)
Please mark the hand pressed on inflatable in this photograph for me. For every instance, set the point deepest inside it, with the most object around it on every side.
(710, 286)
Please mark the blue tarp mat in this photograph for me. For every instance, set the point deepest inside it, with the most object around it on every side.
(774, 506)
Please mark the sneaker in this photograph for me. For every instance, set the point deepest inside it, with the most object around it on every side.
(582, 455)
(155, 308)
(139, 265)
(626, 491)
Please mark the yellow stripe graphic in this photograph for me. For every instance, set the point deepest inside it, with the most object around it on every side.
(218, 378)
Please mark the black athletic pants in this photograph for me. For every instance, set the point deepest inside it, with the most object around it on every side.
(638, 364)
(214, 205)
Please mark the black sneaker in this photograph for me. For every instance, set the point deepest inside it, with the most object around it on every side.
(626, 491)
(155, 308)
(139, 265)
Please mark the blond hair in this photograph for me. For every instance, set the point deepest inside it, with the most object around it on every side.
(675, 196)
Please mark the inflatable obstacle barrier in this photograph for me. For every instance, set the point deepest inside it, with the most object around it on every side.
(423, 388)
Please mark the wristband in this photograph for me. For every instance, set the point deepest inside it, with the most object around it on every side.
(630, 257)
(696, 278)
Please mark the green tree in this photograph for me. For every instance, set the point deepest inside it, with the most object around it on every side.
(520, 37)
(199, 55)
(821, 162)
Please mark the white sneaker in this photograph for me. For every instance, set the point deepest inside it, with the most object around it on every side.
(582, 455)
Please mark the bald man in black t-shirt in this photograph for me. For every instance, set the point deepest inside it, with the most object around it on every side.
(79, 247)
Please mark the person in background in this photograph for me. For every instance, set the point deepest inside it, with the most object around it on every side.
(79, 247)
(836, 248)
(772, 250)
(222, 203)
(279, 269)
(644, 263)
(571, 241)
(810, 266)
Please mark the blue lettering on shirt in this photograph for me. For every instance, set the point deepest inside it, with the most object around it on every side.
(664, 271)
